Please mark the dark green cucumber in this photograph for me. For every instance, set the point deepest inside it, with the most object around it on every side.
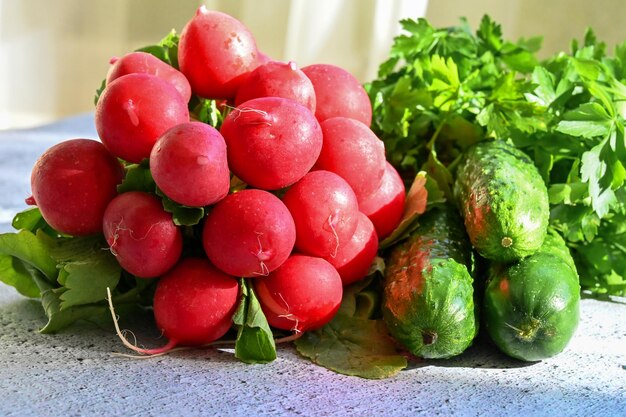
(428, 302)
(531, 307)
(503, 200)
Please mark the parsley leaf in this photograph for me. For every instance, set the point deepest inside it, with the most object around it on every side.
(443, 89)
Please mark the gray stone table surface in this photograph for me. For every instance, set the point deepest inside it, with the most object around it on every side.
(73, 373)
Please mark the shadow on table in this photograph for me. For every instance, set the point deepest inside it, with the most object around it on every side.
(481, 354)
(22, 319)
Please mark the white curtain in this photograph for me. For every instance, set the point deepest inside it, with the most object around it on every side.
(354, 34)
(53, 55)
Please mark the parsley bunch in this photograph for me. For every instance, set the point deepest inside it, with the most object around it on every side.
(443, 89)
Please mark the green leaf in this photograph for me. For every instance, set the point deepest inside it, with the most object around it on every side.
(181, 215)
(559, 193)
(138, 178)
(592, 170)
(166, 50)
(377, 266)
(420, 38)
(353, 344)
(350, 299)
(568, 220)
(571, 193)
(13, 273)
(32, 220)
(387, 67)
(59, 319)
(490, 33)
(434, 193)
(99, 91)
(446, 71)
(236, 185)
(32, 249)
(437, 171)
(587, 68)
(459, 130)
(545, 91)
(520, 59)
(589, 226)
(602, 262)
(544, 162)
(87, 269)
(206, 111)
(589, 120)
(27, 219)
(255, 341)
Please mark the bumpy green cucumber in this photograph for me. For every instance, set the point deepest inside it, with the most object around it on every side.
(503, 200)
(428, 302)
(531, 307)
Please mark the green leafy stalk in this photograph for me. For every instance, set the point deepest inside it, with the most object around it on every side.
(138, 178)
(166, 50)
(255, 341)
(181, 215)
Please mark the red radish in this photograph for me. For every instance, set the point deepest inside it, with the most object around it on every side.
(385, 206)
(338, 93)
(249, 234)
(72, 184)
(356, 255)
(143, 62)
(189, 164)
(216, 52)
(194, 303)
(277, 79)
(303, 294)
(142, 235)
(134, 110)
(272, 142)
(354, 152)
(325, 211)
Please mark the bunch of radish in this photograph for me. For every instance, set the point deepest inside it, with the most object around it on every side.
(318, 195)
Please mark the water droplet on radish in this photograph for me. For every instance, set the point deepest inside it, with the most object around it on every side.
(202, 160)
(129, 107)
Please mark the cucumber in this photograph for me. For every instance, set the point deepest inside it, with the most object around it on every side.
(531, 307)
(428, 302)
(503, 200)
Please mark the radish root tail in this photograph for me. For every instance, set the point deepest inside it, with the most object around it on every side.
(151, 353)
(262, 255)
(121, 334)
(263, 120)
(297, 334)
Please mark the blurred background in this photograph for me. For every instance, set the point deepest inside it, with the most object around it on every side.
(54, 54)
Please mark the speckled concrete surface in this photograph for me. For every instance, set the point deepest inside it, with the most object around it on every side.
(74, 374)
